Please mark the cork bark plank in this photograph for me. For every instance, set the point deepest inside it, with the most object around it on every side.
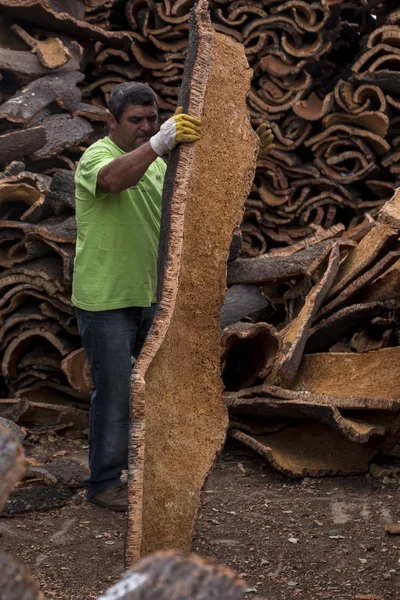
(40, 12)
(360, 284)
(56, 87)
(295, 337)
(350, 318)
(179, 420)
(27, 64)
(378, 240)
(363, 418)
(370, 374)
(17, 144)
(309, 449)
(390, 213)
(264, 269)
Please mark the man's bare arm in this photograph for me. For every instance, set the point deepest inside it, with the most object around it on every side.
(126, 170)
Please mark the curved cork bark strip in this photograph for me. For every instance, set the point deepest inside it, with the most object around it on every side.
(23, 196)
(77, 370)
(41, 13)
(359, 419)
(377, 242)
(56, 87)
(248, 353)
(294, 341)
(179, 419)
(355, 429)
(17, 144)
(348, 403)
(376, 122)
(264, 269)
(27, 64)
(360, 284)
(62, 132)
(309, 449)
(314, 108)
(370, 374)
(339, 325)
(390, 212)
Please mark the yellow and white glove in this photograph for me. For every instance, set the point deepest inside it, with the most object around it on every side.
(180, 128)
(266, 141)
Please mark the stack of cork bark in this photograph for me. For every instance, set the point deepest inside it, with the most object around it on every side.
(326, 80)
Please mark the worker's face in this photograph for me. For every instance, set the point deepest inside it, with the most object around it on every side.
(136, 126)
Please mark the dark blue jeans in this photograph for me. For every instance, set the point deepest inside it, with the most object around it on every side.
(110, 338)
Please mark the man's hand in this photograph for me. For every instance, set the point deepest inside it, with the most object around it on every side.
(266, 141)
(180, 128)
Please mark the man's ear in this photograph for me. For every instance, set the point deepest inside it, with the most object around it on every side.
(111, 122)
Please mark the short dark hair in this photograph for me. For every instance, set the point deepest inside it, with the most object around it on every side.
(127, 93)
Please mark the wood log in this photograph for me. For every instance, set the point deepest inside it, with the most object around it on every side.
(342, 323)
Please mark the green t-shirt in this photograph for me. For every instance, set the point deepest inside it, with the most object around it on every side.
(117, 241)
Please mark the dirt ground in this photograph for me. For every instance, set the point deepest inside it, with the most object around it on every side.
(304, 539)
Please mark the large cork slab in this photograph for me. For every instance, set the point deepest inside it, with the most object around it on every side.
(370, 374)
(178, 416)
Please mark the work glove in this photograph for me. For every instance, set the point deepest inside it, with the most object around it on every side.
(180, 128)
(266, 141)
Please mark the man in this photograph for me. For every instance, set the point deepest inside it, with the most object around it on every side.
(119, 183)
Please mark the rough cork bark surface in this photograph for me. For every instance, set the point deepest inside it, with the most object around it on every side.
(309, 449)
(289, 358)
(173, 576)
(350, 374)
(12, 463)
(179, 418)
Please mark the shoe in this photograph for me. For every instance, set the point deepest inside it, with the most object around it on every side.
(115, 498)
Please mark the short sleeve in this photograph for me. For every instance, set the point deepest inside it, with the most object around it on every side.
(88, 169)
